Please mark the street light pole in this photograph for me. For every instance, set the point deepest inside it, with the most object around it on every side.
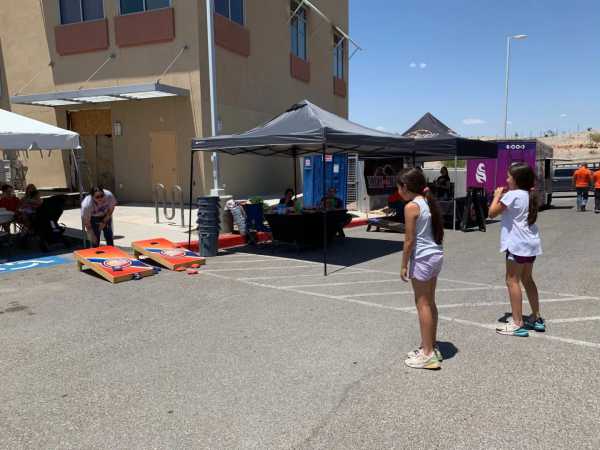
(508, 39)
(210, 29)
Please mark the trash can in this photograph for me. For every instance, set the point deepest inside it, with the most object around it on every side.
(208, 225)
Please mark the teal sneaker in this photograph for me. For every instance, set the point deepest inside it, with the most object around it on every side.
(510, 328)
(537, 325)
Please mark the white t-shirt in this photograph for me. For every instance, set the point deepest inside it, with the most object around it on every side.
(425, 244)
(89, 208)
(516, 235)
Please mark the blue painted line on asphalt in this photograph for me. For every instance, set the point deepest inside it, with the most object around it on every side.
(34, 263)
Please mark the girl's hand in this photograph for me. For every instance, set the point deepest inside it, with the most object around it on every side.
(499, 192)
(404, 274)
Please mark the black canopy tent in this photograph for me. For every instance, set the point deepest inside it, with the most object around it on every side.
(434, 141)
(306, 129)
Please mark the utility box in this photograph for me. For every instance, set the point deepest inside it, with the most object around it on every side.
(336, 175)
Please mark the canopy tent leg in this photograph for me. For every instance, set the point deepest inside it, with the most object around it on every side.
(190, 200)
(80, 186)
(295, 159)
(455, 184)
(324, 215)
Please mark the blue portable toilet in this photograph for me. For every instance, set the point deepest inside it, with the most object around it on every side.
(336, 175)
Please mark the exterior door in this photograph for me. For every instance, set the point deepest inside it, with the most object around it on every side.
(163, 158)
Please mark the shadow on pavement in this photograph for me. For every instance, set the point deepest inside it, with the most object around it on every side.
(345, 252)
(448, 349)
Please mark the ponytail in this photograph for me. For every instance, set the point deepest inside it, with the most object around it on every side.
(533, 208)
(415, 182)
(437, 223)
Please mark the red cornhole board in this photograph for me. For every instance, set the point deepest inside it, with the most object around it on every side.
(112, 264)
(166, 253)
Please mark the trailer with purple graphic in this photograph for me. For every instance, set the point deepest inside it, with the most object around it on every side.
(488, 174)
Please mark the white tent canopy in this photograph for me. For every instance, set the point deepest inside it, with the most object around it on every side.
(22, 133)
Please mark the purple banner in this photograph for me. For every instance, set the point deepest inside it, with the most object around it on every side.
(491, 173)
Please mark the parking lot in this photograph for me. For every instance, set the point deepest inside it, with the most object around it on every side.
(261, 351)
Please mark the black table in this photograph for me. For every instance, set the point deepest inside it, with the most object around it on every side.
(306, 229)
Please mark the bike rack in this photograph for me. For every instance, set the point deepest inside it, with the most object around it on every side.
(160, 199)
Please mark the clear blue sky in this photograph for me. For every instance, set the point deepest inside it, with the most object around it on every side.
(458, 47)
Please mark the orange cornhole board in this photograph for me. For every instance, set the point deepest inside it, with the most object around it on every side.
(166, 253)
(112, 264)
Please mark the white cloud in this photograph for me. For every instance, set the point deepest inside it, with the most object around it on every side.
(422, 65)
(413, 65)
(563, 115)
(380, 128)
(473, 121)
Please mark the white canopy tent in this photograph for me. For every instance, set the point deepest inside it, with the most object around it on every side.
(22, 133)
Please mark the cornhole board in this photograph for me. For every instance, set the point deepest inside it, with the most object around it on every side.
(112, 264)
(166, 253)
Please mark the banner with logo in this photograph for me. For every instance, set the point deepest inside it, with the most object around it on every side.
(380, 175)
(491, 173)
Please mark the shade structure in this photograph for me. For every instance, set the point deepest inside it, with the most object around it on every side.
(304, 129)
(22, 133)
(436, 141)
(100, 95)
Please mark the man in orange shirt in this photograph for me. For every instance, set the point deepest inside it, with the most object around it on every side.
(596, 177)
(582, 178)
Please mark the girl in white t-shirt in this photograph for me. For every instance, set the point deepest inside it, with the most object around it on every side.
(520, 240)
(422, 259)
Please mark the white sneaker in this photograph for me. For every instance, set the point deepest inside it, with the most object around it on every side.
(423, 361)
(510, 328)
(414, 353)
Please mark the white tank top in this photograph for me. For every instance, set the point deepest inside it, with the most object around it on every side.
(425, 245)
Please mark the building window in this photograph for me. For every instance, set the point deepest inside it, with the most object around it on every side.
(339, 45)
(232, 9)
(135, 6)
(73, 11)
(298, 31)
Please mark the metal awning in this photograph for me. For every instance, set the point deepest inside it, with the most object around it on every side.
(100, 95)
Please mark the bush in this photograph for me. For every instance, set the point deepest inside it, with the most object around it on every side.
(595, 137)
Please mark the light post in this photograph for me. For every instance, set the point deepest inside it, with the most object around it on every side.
(210, 29)
(508, 40)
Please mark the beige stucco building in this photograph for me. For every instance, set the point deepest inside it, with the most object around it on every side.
(264, 63)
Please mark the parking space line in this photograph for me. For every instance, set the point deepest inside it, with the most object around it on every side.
(382, 294)
(506, 302)
(243, 261)
(234, 269)
(316, 274)
(573, 319)
(411, 310)
(348, 283)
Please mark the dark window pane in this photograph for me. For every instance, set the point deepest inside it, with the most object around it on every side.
(294, 34)
(237, 11)
(131, 6)
(222, 7)
(70, 11)
(156, 4)
(92, 9)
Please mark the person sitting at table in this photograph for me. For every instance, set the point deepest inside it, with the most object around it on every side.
(8, 201)
(28, 208)
(332, 202)
(442, 185)
(288, 199)
(97, 211)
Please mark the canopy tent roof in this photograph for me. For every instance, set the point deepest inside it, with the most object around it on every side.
(100, 95)
(305, 128)
(433, 137)
(22, 133)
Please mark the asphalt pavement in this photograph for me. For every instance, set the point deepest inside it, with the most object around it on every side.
(261, 351)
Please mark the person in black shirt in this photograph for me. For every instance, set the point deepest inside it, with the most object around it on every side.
(443, 184)
(288, 199)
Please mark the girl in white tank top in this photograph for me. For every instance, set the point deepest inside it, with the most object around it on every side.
(422, 260)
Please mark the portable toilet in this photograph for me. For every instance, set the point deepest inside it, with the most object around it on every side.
(336, 175)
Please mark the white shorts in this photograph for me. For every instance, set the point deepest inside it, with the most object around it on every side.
(426, 268)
